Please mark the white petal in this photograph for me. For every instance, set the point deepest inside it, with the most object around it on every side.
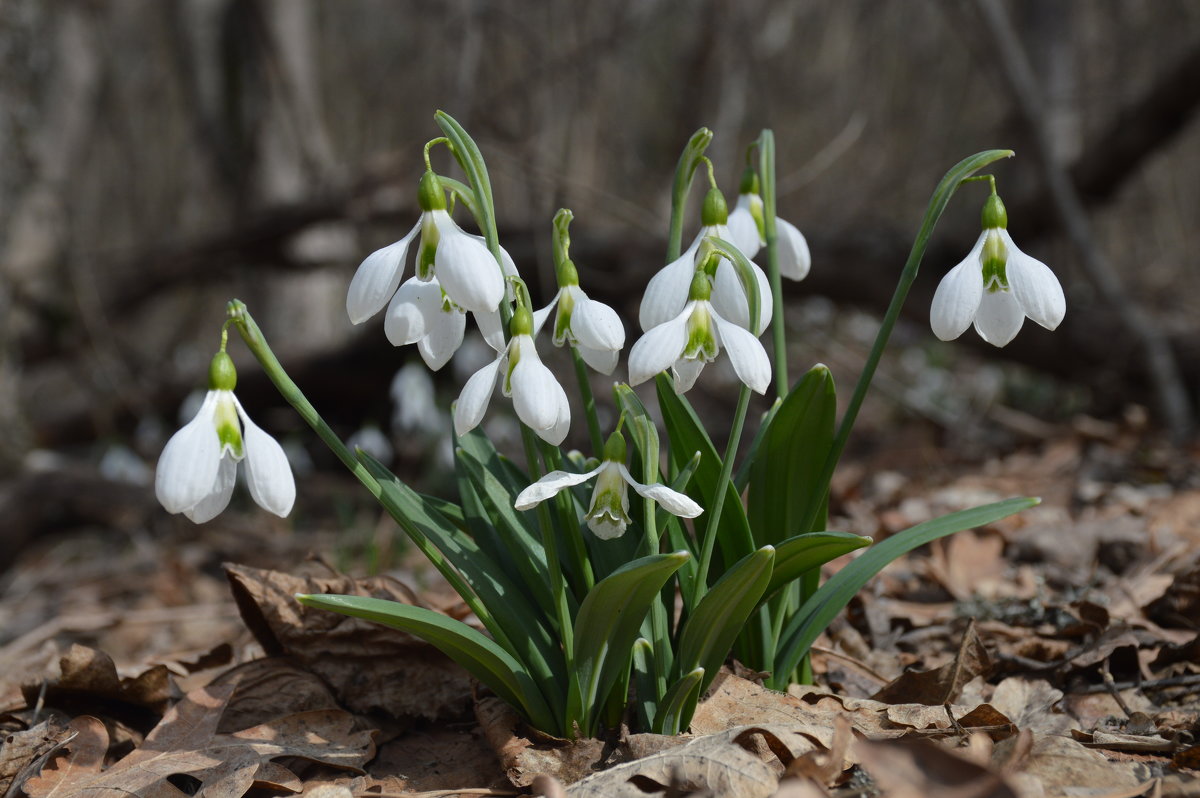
(537, 396)
(595, 324)
(601, 360)
(551, 485)
(685, 373)
(1035, 287)
(473, 401)
(406, 321)
(558, 433)
(211, 505)
(746, 353)
(958, 295)
(377, 278)
(605, 527)
(667, 291)
(999, 318)
(187, 468)
(794, 257)
(268, 473)
(659, 348)
(445, 335)
(672, 501)
(466, 269)
(491, 328)
(743, 230)
(540, 316)
(730, 300)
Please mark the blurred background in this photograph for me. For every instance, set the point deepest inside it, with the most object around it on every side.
(158, 158)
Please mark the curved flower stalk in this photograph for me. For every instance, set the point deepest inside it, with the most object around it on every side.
(746, 231)
(538, 399)
(198, 466)
(461, 262)
(667, 291)
(592, 327)
(694, 338)
(995, 287)
(608, 512)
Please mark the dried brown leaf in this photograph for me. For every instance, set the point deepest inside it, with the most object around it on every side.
(942, 685)
(523, 759)
(185, 742)
(922, 769)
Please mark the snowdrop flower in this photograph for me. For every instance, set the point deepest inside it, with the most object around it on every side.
(608, 513)
(592, 327)
(198, 466)
(539, 400)
(667, 291)
(694, 338)
(462, 263)
(996, 286)
(422, 313)
(746, 231)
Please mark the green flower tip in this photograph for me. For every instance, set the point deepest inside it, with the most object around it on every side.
(222, 376)
(430, 194)
(994, 213)
(567, 274)
(522, 322)
(681, 555)
(701, 288)
(715, 210)
(614, 449)
(235, 309)
(749, 184)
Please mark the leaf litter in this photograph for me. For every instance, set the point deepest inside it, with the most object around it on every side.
(1052, 654)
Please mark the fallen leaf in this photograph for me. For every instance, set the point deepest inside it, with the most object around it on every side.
(1066, 767)
(942, 685)
(523, 759)
(922, 769)
(185, 743)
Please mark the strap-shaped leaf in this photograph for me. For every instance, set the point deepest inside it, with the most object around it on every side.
(516, 621)
(802, 553)
(828, 601)
(608, 624)
(482, 657)
(790, 458)
(687, 436)
(709, 631)
(741, 477)
(679, 704)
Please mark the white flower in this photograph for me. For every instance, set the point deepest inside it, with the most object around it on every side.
(693, 338)
(667, 291)
(198, 466)
(745, 229)
(996, 286)
(608, 513)
(461, 261)
(592, 327)
(538, 399)
(422, 313)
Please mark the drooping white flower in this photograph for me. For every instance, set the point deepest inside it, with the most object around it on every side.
(198, 466)
(996, 287)
(422, 313)
(592, 327)
(462, 263)
(747, 231)
(667, 291)
(608, 512)
(538, 399)
(694, 338)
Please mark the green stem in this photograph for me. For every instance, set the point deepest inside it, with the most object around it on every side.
(714, 520)
(937, 204)
(553, 458)
(589, 402)
(766, 179)
(685, 169)
(288, 389)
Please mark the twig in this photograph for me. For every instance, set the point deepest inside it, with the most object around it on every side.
(1164, 371)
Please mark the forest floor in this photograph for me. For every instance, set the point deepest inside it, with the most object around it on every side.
(1053, 653)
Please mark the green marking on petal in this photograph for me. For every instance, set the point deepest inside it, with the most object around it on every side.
(229, 429)
(429, 242)
(994, 258)
(701, 343)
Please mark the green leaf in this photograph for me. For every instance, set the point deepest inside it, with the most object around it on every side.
(709, 631)
(687, 437)
(679, 704)
(462, 192)
(607, 626)
(741, 477)
(467, 153)
(645, 682)
(785, 474)
(481, 656)
(796, 555)
(816, 613)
